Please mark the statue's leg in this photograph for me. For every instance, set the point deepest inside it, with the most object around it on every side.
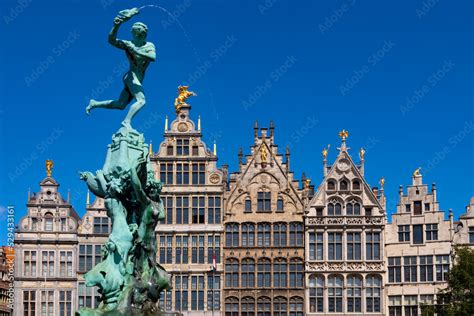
(136, 89)
(120, 104)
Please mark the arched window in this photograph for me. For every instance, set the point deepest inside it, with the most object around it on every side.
(264, 273)
(231, 306)
(248, 205)
(354, 294)
(316, 294)
(335, 285)
(296, 272)
(248, 234)
(248, 306)
(331, 185)
(296, 306)
(353, 208)
(280, 306)
(264, 306)
(343, 186)
(280, 205)
(248, 272)
(334, 209)
(280, 271)
(356, 185)
(264, 234)
(48, 222)
(373, 289)
(296, 234)
(232, 234)
(279, 234)
(231, 273)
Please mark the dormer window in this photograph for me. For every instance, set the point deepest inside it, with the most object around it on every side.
(331, 185)
(48, 222)
(353, 208)
(264, 202)
(182, 147)
(343, 186)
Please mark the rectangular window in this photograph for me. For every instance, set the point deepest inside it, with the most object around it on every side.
(316, 246)
(426, 268)
(29, 263)
(29, 303)
(264, 235)
(417, 234)
(372, 246)
(182, 173)
(442, 267)
(166, 173)
(395, 305)
(198, 210)
(199, 173)
(168, 204)
(394, 269)
(65, 264)
(353, 246)
(213, 292)
(182, 147)
(471, 235)
(47, 263)
(182, 210)
(213, 249)
(102, 225)
(48, 224)
(195, 151)
(417, 208)
(201, 249)
(65, 303)
(411, 305)
(169, 150)
(368, 211)
(47, 303)
(410, 269)
(181, 292)
(408, 208)
(403, 233)
(213, 210)
(334, 246)
(264, 202)
(194, 249)
(431, 231)
(427, 207)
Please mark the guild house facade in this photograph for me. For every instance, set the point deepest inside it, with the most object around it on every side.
(253, 242)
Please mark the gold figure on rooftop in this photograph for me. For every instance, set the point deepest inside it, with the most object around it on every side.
(417, 173)
(325, 151)
(362, 153)
(343, 134)
(183, 95)
(264, 153)
(49, 167)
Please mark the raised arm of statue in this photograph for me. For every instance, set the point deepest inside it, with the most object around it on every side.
(113, 34)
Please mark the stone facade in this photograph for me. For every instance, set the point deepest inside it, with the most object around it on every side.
(45, 254)
(190, 237)
(344, 229)
(279, 247)
(5, 263)
(264, 243)
(418, 249)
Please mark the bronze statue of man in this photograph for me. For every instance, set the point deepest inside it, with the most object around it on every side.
(139, 53)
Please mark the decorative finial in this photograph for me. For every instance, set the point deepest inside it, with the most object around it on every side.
(150, 152)
(199, 122)
(417, 173)
(307, 183)
(215, 148)
(362, 153)
(88, 198)
(382, 182)
(49, 167)
(343, 134)
(325, 151)
(183, 95)
(166, 123)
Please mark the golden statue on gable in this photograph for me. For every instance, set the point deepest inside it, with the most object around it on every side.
(264, 153)
(49, 167)
(183, 95)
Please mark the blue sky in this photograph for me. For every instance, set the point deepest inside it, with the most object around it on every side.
(397, 75)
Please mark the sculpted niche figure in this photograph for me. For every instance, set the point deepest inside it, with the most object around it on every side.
(139, 53)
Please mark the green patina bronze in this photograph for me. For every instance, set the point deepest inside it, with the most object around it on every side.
(129, 279)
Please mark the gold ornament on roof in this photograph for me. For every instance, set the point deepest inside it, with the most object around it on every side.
(417, 173)
(183, 95)
(382, 182)
(263, 153)
(362, 153)
(343, 134)
(325, 151)
(307, 183)
(49, 167)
